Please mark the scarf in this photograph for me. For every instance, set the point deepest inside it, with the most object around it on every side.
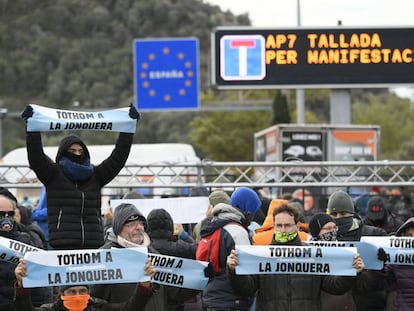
(75, 171)
(127, 244)
(285, 237)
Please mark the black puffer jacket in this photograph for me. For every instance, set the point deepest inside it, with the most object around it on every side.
(7, 277)
(74, 208)
(160, 229)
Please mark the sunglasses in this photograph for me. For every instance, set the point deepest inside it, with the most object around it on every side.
(8, 213)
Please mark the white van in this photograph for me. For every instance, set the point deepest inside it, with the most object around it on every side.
(162, 154)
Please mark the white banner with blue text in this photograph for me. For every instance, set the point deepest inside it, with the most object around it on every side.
(81, 267)
(276, 259)
(179, 272)
(48, 120)
(368, 252)
(400, 250)
(11, 250)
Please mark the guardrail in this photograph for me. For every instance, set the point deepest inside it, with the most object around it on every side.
(212, 174)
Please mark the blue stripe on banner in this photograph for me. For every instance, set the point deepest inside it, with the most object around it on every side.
(179, 272)
(76, 267)
(400, 250)
(276, 259)
(11, 251)
(48, 120)
(367, 251)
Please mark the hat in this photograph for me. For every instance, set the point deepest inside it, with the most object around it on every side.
(246, 200)
(133, 195)
(159, 220)
(317, 222)
(376, 210)
(6, 193)
(63, 288)
(218, 196)
(124, 213)
(340, 202)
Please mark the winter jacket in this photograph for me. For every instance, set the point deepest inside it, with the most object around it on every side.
(7, 277)
(218, 292)
(401, 278)
(136, 302)
(263, 235)
(161, 229)
(39, 215)
(74, 208)
(122, 291)
(292, 292)
(368, 299)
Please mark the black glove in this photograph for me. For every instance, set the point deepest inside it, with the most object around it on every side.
(209, 270)
(27, 113)
(133, 112)
(382, 255)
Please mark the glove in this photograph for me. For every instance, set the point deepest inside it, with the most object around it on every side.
(133, 112)
(209, 271)
(27, 113)
(382, 255)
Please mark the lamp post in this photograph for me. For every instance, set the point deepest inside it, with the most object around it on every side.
(300, 93)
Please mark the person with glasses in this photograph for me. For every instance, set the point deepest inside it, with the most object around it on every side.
(78, 297)
(129, 230)
(9, 229)
(294, 292)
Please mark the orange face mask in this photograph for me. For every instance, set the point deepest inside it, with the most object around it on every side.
(76, 302)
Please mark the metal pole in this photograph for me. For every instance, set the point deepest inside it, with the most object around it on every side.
(3, 112)
(300, 93)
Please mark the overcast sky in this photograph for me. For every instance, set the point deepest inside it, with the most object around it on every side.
(283, 13)
(325, 13)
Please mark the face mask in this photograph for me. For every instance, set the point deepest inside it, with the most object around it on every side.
(77, 158)
(75, 303)
(344, 224)
(285, 237)
(328, 236)
(6, 224)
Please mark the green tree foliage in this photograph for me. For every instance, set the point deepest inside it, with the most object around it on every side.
(228, 136)
(281, 113)
(57, 53)
(395, 119)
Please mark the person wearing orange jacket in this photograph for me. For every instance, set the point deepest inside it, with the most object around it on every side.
(263, 235)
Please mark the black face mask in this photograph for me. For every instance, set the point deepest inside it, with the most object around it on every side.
(6, 224)
(77, 158)
(344, 224)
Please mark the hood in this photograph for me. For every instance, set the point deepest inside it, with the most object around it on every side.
(269, 221)
(227, 212)
(66, 142)
(159, 220)
(409, 223)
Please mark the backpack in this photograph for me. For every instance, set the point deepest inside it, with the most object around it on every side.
(209, 250)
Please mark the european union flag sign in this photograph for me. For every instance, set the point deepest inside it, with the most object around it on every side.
(242, 57)
(166, 74)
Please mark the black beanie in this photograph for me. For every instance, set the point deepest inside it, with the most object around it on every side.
(317, 222)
